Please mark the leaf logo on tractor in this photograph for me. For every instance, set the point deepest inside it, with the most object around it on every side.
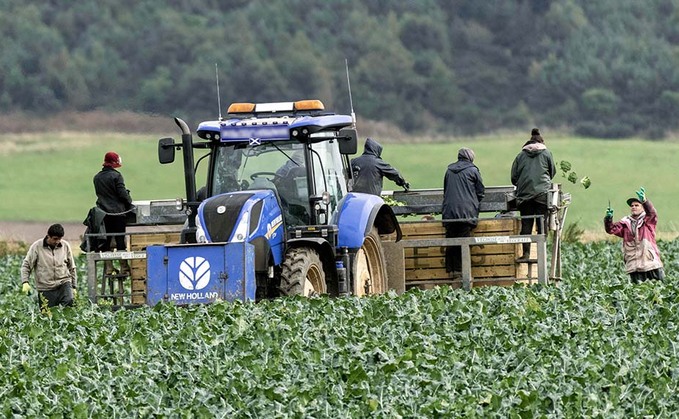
(194, 273)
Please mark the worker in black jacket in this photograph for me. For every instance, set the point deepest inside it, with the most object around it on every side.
(114, 198)
(369, 169)
(462, 191)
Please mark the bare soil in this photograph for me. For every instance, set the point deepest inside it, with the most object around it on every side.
(29, 231)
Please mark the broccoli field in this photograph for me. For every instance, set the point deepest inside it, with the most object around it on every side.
(592, 346)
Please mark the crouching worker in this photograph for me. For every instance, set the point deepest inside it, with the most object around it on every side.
(637, 230)
(51, 261)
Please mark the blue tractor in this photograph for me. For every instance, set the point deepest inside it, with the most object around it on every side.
(276, 216)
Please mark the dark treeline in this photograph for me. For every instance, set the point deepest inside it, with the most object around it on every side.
(606, 68)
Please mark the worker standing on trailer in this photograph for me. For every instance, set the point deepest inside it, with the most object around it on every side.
(532, 173)
(369, 170)
(51, 261)
(637, 230)
(463, 190)
(114, 198)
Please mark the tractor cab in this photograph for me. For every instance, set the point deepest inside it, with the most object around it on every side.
(295, 149)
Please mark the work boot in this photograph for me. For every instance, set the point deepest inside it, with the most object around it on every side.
(525, 258)
(124, 267)
(108, 267)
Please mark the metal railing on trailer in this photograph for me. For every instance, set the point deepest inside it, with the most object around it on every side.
(498, 199)
(149, 219)
(466, 243)
(114, 287)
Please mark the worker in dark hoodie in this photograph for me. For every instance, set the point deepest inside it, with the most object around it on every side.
(369, 169)
(463, 190)
(532, 173)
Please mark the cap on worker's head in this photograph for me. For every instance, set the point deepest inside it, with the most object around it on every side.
(629, 201)
(536, 136)
(112, 159)
(466, 154)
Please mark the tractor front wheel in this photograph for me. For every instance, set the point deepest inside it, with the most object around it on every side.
(302, 273)
(369, 269)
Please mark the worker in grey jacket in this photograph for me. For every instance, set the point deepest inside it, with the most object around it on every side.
(463, 190)
(369, 169)
(51, 261)
(532, 173)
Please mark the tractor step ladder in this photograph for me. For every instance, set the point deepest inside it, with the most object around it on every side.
(110, 281)
(530, 262)
(116, 287)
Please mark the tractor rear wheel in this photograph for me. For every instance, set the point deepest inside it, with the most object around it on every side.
(302, 273)
(369, 268)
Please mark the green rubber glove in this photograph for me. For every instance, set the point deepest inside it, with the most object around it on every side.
(26, 288)
(609, 212)
(641, 194)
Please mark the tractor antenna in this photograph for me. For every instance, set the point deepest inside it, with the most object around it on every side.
(219, 102)
(351, 102)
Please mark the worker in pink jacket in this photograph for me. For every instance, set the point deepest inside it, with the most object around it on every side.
(637, 230)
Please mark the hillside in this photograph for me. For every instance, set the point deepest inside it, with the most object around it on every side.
(603, 69)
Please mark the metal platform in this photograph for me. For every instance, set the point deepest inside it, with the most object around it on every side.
(429, 201)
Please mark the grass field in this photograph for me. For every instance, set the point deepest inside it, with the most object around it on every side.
(50, 178)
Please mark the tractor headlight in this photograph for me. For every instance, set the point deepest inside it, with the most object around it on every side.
(325, 198)
(179, 204)
(200, 232)
(241, 232)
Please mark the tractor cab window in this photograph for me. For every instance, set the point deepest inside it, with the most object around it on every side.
(244, 167)
(227, 163)
(328, 175)
(276, 165)
(282, 167)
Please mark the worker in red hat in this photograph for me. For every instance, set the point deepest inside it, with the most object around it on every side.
(114, 199)
(639, 249)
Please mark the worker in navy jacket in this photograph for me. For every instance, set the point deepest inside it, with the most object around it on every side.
(369, 169)
(463, 190)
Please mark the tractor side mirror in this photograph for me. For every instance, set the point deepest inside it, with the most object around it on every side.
(348, 141)
(166, 150)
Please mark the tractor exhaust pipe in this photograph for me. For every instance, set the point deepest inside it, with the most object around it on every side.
(189, 179)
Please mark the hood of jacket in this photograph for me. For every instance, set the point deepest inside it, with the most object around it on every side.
(534, 148)
(372, 147)
(460, 165)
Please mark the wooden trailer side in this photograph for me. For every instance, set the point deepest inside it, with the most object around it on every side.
(491, 264)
